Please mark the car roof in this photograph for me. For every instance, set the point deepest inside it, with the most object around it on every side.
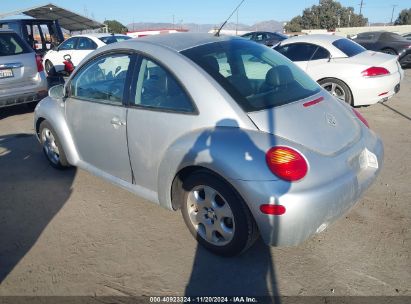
(315, 38)
(179, 41)
(97, 35)
(323, 40)
(373, 32)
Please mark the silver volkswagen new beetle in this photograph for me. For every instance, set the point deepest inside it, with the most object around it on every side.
(227, 130)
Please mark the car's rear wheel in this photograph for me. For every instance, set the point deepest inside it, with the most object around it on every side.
(338, 89)
(49, 67)
(215, 215)
(389, 51)
(51, 146)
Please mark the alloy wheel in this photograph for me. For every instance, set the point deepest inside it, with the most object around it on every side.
(210, 215)
(50, 146)
(335, 90)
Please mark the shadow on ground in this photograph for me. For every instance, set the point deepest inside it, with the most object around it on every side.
(35, 194)
(250, 274)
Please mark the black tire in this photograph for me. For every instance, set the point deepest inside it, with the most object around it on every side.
(50, 69)
(32, 105)
(389, 51)
(341, 91)
(244, 228)
(56, 157)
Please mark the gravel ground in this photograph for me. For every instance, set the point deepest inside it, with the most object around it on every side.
(70, 233)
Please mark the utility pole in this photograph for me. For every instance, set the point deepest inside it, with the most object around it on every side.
(361, 4)
(392, 13)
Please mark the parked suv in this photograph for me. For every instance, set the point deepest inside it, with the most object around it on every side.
(22, 79)
(42, 35)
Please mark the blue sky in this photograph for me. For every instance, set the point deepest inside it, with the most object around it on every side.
(209, 11)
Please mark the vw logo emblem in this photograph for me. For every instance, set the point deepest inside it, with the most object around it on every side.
(331, 120)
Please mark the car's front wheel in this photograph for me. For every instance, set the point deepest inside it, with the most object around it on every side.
(215, 215)
(338, 89)
(51, 146)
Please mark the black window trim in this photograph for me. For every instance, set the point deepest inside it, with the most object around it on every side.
(127, 85)
(315, 52)
(295, 43)
(130, 104)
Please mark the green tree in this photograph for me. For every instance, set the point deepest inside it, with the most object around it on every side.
(404, 17)
(328, 15)
(113, 26)
(294, 25)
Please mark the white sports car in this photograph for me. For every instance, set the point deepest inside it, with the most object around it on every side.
(78, 47)
(344, 68)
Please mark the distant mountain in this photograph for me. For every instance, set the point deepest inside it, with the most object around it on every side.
(271, 25)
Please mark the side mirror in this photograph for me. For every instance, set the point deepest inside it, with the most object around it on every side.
(58, 92)
(329, 57)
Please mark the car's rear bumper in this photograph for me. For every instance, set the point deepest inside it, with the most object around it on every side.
(371, 90)
(33, 91)
(22, 98)
(308, 211)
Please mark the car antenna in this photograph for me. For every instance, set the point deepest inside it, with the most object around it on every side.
(217, 34)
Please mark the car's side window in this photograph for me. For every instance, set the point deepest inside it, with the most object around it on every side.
(86, 44)
(248, 36)
(158, 89)
(69, 44)
(298, 51)
(321, 53)
(260, 37)
(102, 79)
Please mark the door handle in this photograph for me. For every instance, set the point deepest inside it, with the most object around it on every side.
(115, 121)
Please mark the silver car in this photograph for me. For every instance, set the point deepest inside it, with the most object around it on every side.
(22, 79)
(229, 131)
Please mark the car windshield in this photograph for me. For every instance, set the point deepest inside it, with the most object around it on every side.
(255, 76)
(348, 47)
(11, 44)
(111, 39)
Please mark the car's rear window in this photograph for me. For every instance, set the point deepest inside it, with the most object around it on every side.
(11, 44)
(255, 76)
(393, 36)
(112, 39)
(348, 47)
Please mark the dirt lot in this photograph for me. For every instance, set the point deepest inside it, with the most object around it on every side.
(70, 233)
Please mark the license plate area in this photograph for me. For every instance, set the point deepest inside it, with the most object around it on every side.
(6, 73)
(368, 159)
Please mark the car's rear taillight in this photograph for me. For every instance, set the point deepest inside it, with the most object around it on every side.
(375, 71)
(286, 163)
(39, 62)
(360, 117)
